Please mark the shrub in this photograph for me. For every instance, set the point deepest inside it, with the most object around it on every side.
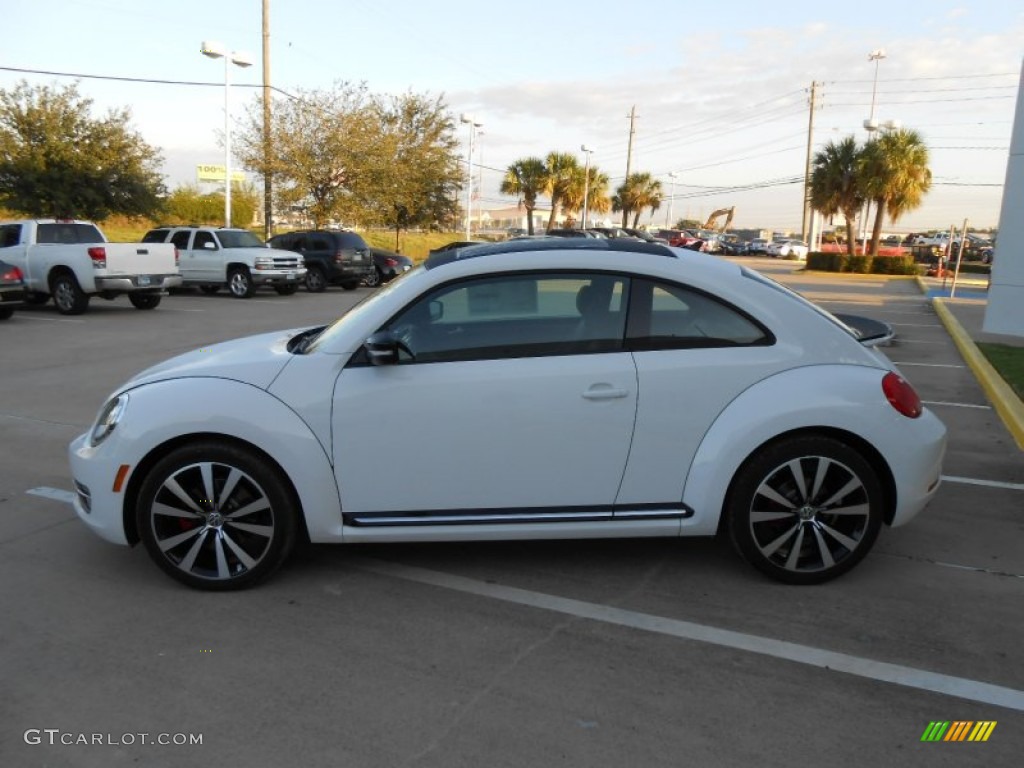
(894, 265)
(825, 262)
(859, 264)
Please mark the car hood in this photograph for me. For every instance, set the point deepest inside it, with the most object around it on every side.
(255, 360)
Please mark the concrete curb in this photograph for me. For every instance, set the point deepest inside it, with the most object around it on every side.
(1004, 399)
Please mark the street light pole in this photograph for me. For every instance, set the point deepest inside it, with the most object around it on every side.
(671, 199)
(586, 182)
(871, 126)
(216, 50)
(473, 125)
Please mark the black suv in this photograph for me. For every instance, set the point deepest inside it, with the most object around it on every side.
(332, 257)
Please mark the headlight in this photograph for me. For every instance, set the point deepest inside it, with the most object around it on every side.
(110, 415)
(264, 262)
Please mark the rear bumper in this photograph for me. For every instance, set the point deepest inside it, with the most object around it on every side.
(132, 283)
(11, 296)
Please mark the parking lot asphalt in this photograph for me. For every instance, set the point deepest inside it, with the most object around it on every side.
(645, 653)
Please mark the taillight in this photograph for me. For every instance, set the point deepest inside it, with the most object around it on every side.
(98, 254)
(12, 275)
(901, 395)
(177, 257)
(391, 262)
(339, 257)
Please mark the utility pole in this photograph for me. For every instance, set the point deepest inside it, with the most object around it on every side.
(629, 156)
(268, 184)
(807, 166)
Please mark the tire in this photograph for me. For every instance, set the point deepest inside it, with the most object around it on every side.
(209, 290)
(286, 290)
(68, 295)
(809, 528)
(187, 515)
(240, 283)
(35, 298)
(316, 282)
(6, 313)
(145, 300)
(351, 285)
(374, 279)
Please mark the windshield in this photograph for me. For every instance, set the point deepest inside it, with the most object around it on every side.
(238, 238)
(363, 306)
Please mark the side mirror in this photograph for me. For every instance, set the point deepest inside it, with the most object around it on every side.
(209, 246)
(382, 348)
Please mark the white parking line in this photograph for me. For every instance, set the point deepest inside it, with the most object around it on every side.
(957, 405)
(972, 690)
(56, 494)
(986, 483)
(23, 316)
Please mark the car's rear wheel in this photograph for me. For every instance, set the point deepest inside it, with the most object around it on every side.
(240, 283)
(216, 516)
(805, 510)
(316, 282)
(374, 279)
(68, 296)
(144, 300)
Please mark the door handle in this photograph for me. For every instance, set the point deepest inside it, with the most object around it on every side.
(604, 392)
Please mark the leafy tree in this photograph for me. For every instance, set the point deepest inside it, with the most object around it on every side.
(527, 178)
(595, 190)
(638, 191)
(57, 160)
(835, 187)
(561, 169)
(894, 174)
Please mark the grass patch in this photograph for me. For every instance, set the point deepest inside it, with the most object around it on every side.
(1009, 361)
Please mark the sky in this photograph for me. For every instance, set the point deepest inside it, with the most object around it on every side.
(721, 90)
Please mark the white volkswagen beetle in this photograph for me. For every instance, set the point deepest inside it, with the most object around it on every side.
(538, 390)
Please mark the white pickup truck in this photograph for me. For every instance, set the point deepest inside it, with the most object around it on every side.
(72, 262)
(214, 257)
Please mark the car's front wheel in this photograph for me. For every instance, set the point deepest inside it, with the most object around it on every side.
(216, 516)
(240, 283)
(316, 281)
(805, 510)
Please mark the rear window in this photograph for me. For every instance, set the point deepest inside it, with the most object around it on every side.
(68, 233)
(155, 236)
(350, 240)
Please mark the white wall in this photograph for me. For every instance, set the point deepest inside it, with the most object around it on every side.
(1005, 311)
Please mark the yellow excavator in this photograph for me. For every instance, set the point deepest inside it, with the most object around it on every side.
(710, 223)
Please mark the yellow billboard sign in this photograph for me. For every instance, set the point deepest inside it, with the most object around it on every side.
(216, 173)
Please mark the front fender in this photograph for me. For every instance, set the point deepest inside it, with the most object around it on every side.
(847, 398)
(163, 413)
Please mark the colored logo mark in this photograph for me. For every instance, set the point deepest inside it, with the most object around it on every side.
(958, 730)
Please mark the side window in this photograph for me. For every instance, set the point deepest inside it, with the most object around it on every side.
(319, 243)
(518, 315)
(202, 238)
(180, 240)
(667, 316)
(10, 235)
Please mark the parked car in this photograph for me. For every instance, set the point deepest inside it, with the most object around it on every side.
(12, 289)
(613, 232)
(575, 233)
(644, 235)
(784, 249)
(758, 245)
(735, 247)
(503, 370)
(332, 257)
(389, 266)
(217, 257)
(456, 244)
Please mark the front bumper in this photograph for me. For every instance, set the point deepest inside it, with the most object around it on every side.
(96, 503)
(133, 283)
(278, 276)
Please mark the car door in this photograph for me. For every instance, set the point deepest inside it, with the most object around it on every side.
(187, 264)
(514, 401)
(694, 354)
(207, 258)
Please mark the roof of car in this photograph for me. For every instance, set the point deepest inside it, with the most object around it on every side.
(553, 244)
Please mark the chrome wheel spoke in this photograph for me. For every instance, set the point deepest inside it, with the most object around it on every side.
(856, 509)
(222, 562)
(772, 495)
(229, 486)
(794, 552)
(257, 506)
(266, 531)
(240, 553)
(206, 471)
(172, 485)
(173, 541)
(819, 477)
(823, 550)
(163, 509)
(770, 548)
(798, 475)
(190, 559)
(852, 485)
(846, 541)
(765, 517)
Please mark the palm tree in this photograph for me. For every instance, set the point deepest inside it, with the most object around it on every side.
(638, 191)
(894, 174)
(562, 168)
(595, 190)
(834, 185)
(527, 178)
